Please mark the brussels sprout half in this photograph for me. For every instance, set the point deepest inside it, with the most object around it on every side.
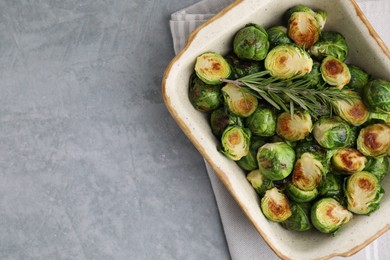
(251, 42)
(259, 182)
(278, 35)
(288, 60)
(328, 215)
(295, 127)
(331, 186)
(307, 173)
(330, 44)
(275, 205)
(249, 162)
(377, 96)
(374, 140)
(300, 218)
(240, 67)
(359, 78)
(239, 101)
(276, 160)
(303, 28)
(211, 67)
(348, 161)
(220, 119)
(296, 194)
(335, 72)
(235, 142)
(332, 133)
(262, 122)
(363, 193)
(353, 111)
(204, 97)
(378, 166)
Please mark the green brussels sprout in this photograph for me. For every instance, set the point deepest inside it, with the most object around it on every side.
(211, 67)
(353, 111)
(314, 76)
(262, 122)
(251, 42)
(249, 162)
(363, 193)
(378, 166)
(378, 117)
(241, 68)
(332, 133)
(296, 194)
(239, 101)
(377, 96)
(335, 72)
(295, 127)
(310, 147)
(288, 60)
(307, 172)
(220, 119)
(275, 205)
(276, 160)
(328, 215)
(330, 44)
(204, 97)
(259, 182)
(348, 161)
(374, 140)
(235, 142)
(331, 186)
(300, 217)
(359, 78)
(278, 35)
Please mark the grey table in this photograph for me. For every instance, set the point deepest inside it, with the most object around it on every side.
(92, 166)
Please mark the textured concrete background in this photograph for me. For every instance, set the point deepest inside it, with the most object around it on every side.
(91, 164)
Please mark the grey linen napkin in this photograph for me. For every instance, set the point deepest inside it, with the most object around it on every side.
(243, 240)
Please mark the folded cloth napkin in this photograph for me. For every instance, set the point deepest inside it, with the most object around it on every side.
(243, 240)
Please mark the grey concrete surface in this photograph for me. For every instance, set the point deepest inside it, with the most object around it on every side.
(92, 166)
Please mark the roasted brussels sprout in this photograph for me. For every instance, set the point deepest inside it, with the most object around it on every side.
(278, 35)
(288, 60)
(204, 97)
(353, 111)
(374, 140)
(335, 72)
(377, 96)
(259, 182)
(295, 127)
(331, 186)
(307, 173)
(276, 160)
(249, 162)
(235, 142)
(275, 205)
(240, 67)
(378, 166)
(211, 67)
(359, 78)
(363, 193)
(332, 133)
(251, 42)
(220, 119)
(348, 161)
(328, 215)
(296, 194)
(300, 217)
(262, 122)
(311, 147)
(330, 44)
(239, 101)
(314, 76)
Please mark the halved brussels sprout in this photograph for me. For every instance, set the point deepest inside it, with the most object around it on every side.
(239, 100)
(278, 35)
(330, 44)
(377, 96)
(300, 217)
(296, 194)
(307, 173)
(332, 133)
(303, 28)
(204, 97)
(295, 127)
(378, 166)
(331, 186)
(241, 67)
(259, 182)
(235, 142)
(374, 140)
(353, 111)
(359, 78)
(335, 72)
(275, 205)
(363, 193)
(210, 67)
(276, 160)
(288, 60)
(220, 119)
(328, 215)
(262, 122)
(249, 162)
(251, 42)
(348, 160)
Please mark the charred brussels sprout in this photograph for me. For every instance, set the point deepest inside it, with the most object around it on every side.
(211, 67)
(262, 122)
(330, 44)
(204, 97)
(378, 166)
(377, 96)
(239, 101)
(235, 142)
(363, 193)
(288, 60)
(276, 160)
(295, 127)
(328, 215)
(241, 68)
(296, 194)
(374, 140)
(353, 111)
(249, 162)
(259, 182)
(300, 217)
(331, 186)
(275, 205)
(348, 161)
(307, 173)
(220, 119)
(278, 35)
(332, 133)
(335, 72)
(359, 78)
(251, 42)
